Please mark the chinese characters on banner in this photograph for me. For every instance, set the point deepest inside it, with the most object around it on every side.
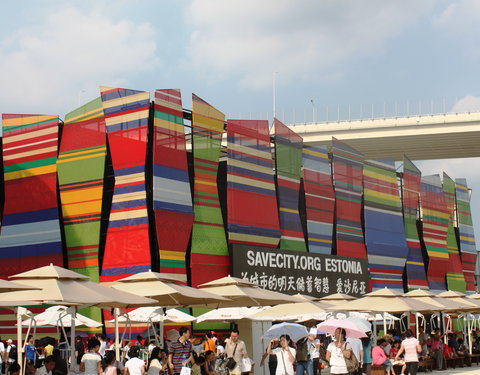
(293, 272)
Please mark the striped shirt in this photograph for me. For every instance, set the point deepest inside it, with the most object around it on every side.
(180, 353)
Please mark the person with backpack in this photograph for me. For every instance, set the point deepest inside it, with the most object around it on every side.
(10, 353)
(303, 358)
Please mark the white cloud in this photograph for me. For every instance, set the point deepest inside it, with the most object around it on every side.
(44, 68)
(468, 103)
(301, 40)
(460, 22)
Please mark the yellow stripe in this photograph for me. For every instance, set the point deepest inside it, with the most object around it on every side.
(27, 135)
(77, 153)
(315, 153)
(251, 182)
(31, 172)
(169, 125)
(249, 150)
(126, 100)
(134, 177)
(94, 113)
(74, 196)
(82, 208)
(129, 196)
(133, 214)
(127, 117)
(172, 255)
(319, 240)
(379, 176)
(205, 182)
(438, 254)
(385, 196)
(289, 210)
(66, 160)
(27, 120)
(415, 263)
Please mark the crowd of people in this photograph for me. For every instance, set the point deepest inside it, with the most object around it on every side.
(399, 353)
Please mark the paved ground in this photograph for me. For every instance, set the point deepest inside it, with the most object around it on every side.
(474, 370)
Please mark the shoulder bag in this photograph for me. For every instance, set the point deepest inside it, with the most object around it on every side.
(231, 363)
(352, 362)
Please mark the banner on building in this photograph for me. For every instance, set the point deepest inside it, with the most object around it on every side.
(292, 272)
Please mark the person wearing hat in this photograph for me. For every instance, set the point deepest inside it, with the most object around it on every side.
(314, 349)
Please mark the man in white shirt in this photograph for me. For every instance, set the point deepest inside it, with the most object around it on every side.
(2, 354)
(357, 348)
(47, 368)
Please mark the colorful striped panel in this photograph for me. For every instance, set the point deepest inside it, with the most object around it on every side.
(348, 184)
(435, 228)
(30, 236)
(209, 255)
(127, 247)
(319, 199)
(288, 164)
(455, 278)
(172, 199)
(416, 276)
(384, 232)
(81, 167)
(468, 249)
(251, 199)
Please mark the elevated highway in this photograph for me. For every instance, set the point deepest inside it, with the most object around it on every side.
(420, 137)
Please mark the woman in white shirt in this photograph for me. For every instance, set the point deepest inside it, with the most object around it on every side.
(285, 355)
(337, 352)
(135, 365)
(91, 363)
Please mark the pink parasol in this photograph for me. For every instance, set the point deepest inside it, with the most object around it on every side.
(352, 330)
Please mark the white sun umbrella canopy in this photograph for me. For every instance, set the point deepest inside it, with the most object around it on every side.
(156, 314)
(56, 316)
(228, 314)
(300, 311)
(363, 324)
(294, 330)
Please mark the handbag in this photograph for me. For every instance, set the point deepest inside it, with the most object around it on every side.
(246, 365)
(186, 371)
(231, 363)
(352, 362)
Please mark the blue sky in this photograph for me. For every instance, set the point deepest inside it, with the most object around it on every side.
(54, 55)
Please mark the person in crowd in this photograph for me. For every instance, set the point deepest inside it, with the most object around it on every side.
(272, 358)
(436, 348)
(14, 369)
(2, 355)
(125, 350)
(452, 343)
(379, 357)
(30, 350)
(411, 348)
(79, 349)
(139, 341)
(197, 366)
(314, 350)
(422, 339)
(103, 344)
(91, 363)
(302, 357)
(388, 338)
(155, 366)
(393, 353)
(209, 365)
(48, 350)
(209, 343)
(462, 350)
(135, 365)
(180, 353)
(285, 355)
(48, 366)
(61, 367)
(337, 351)
(367, 354)
(357, 350)
(10, 353)
(236, 349)
(109, 364)
(150, 347)
(220, 348)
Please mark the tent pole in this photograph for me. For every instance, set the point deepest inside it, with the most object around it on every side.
(19, 338)
(117, 334)
(73, 360)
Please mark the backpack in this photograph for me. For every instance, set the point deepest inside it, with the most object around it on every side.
(302, 351)
(12, 354)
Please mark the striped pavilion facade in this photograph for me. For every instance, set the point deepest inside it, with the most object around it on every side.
(150, 185)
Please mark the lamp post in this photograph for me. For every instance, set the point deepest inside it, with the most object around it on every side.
(313, 111)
